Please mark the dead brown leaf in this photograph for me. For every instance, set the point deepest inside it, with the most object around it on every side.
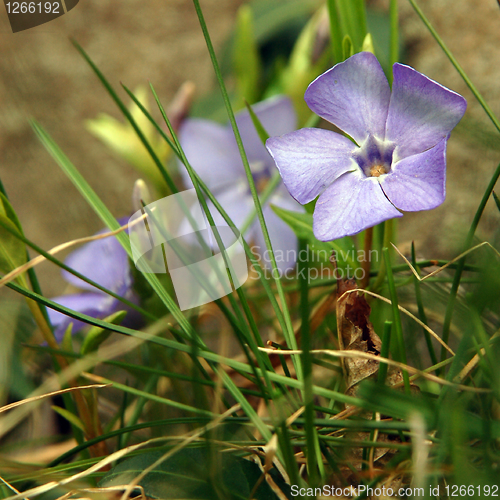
(356, 333)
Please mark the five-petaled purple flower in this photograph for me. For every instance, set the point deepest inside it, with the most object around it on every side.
(105, 262)
(398, 161)
(213, 153)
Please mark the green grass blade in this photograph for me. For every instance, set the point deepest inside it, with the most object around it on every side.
(336, 34)
(31, 272)
(227, 219)
(136, 427)
(205, 354)
(497, 200)
(360, 14)
(135, 369)
(396, 316)
(61, 264)
(109, 220)
(394, 35)
(157, 399)
(386, 345)
(457, 66)
(245, 405)
(129, 117)
(420, 305)
(252, 336)
(311, 438)
(288, 332)
(461, 263)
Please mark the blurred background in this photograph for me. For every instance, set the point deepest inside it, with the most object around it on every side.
(42, 76)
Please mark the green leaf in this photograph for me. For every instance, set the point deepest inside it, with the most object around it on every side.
(310, 206)
(16, 327)
(9, 211)
(67, 341)
(121, 138)
(246, 59)
(335, 31)
(306, 358)
(379, 27)
(12, 249)
(347, 47)
(70, 417)
(306, 62)
(193, 473)
(261, 131)
(272, 19)
(96, 335)
(301, 224)
(368, 44)
(352, 20)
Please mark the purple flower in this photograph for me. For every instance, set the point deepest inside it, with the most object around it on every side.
(105, 262)
(398, 161)
(213, 153)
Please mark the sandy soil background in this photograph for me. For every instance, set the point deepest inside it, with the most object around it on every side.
(42, 76)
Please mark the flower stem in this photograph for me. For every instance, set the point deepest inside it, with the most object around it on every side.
(388, 232)
(365, 263)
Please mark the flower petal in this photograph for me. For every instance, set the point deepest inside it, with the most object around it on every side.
(103, 261)
(310, 159)
(277, 117)
(212, 152)
(97, 305)
(421, 112)
(353, 95)
(418, 182)
(352, 203)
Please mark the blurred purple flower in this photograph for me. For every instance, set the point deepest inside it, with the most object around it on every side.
(399, 161)
(213, 153)
(105, 262)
